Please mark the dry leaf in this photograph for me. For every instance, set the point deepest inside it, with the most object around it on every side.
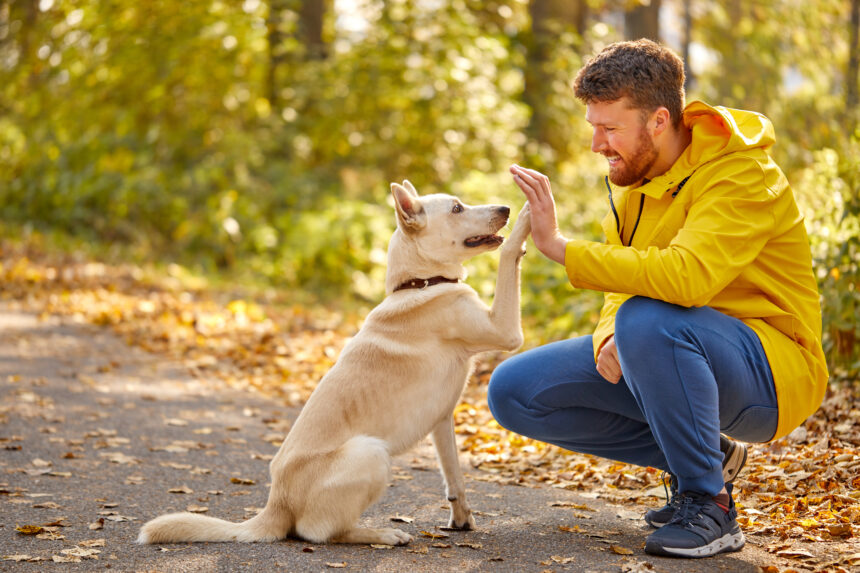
(574, 529)
(571, 504)
(381, 546)
(183, 489)
(469, 545)
(29, 529)
(47, 505)
(620, 550)
(402, 518)
(433, 535)
(242, 481)
(563, 560)
(340, 565)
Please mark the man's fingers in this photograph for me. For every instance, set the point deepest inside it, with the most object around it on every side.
(525, 187)
(539, 179)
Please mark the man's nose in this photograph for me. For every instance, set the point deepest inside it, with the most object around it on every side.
(598, 141)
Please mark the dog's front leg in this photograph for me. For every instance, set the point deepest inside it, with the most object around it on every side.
(455, 489)
(505, 312)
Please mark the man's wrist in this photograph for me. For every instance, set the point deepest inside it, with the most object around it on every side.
(555, 249)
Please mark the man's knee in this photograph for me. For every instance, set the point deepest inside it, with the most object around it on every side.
(502, 394)
(640, 323)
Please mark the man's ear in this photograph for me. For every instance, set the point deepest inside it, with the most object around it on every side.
(661, 120)
(410, 187)
(410, 214)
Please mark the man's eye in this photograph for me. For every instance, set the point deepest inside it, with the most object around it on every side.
(457, 208)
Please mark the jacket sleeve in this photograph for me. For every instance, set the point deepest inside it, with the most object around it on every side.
(729, 221)
(606, 324)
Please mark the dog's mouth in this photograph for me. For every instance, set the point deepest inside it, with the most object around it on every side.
(481, 240)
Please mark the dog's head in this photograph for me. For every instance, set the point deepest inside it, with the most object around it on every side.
(446, 227)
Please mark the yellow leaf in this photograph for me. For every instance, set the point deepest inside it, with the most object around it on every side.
(621, 550)
(29, 529)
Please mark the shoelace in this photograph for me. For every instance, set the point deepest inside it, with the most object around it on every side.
(671, 499)
(688, 508)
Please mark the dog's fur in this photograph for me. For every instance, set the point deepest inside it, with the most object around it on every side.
(397, 380)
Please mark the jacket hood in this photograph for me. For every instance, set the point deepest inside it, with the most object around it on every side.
(717, 131)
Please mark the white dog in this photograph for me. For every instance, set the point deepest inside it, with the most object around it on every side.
(397, 380)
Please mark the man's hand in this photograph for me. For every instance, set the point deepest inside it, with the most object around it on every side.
(607, 361)
(547, 238)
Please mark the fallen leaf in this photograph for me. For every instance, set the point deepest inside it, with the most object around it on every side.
(340, 565)
(574, 529)
(47, 505)
(620, 550)
(469, 545)
(381, 546)
(197, 508)
(402, 519)
(433, 535)
(183, 489)
(29, 529)
(242, 481)
(581, 506)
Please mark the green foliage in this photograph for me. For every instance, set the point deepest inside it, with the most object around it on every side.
(831, 193)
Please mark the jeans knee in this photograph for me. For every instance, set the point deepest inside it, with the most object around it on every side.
(502, 396)
(640, 319)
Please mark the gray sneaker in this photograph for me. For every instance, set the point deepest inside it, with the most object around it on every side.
(734, 459)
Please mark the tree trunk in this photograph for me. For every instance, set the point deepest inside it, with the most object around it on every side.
(687, 39)
(643, 21)
(275, 39)
(311, 18)
(549, 19)
(851, 76)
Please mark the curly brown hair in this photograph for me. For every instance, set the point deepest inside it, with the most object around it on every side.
(651, 75)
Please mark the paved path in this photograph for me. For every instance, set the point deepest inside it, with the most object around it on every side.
(97, 437)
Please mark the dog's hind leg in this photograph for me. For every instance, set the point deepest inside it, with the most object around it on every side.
(446, 451)
(356, 478)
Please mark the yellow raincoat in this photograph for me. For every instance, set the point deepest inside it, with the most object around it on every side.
(721, 229)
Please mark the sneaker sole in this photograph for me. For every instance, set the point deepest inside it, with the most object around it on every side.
(735, 459)
(725, 544)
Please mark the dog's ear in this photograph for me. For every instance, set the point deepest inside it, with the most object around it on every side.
(410, 213)
(410, 187)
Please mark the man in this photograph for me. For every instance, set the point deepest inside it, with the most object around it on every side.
(711, 321)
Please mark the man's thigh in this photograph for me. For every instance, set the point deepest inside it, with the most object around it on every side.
(561, 375)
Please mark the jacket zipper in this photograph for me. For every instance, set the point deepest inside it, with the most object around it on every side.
(615, 213)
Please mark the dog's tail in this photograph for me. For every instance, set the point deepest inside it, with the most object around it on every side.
(192, 527)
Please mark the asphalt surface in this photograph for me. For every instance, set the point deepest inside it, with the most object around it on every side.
(97, 437)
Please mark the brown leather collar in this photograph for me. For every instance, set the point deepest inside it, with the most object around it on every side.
(424, 283)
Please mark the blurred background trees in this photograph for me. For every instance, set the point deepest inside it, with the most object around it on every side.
(257, 138)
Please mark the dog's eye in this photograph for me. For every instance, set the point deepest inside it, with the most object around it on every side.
(457, 208)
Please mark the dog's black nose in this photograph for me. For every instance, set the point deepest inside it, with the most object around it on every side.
(505, 210)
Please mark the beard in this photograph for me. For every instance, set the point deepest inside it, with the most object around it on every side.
(635, 168)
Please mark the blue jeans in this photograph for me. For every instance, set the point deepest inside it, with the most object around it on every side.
(688, 374)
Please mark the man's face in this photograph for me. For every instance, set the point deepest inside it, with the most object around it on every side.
(620, 135)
